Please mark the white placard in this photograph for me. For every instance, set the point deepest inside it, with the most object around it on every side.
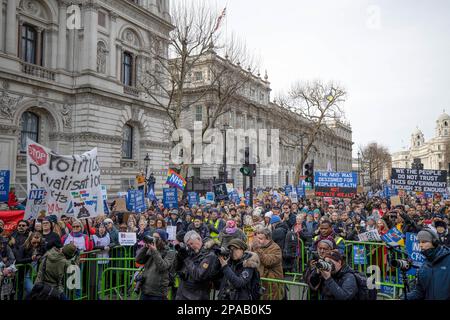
(369, 236)
(127, 238)
(172, 231)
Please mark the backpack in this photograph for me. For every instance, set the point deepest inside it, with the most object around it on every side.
(256, 290)
(364, 293)
(290, 245)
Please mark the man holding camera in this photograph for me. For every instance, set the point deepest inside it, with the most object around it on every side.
(333, 279)
(158, 261)
(197, 266)
(433, 281)
(240, 270)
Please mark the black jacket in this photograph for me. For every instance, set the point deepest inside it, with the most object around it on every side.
(197, 272)
(52, 240)
(24, 255)
(19, 240)
(279, 234)
(237, 276)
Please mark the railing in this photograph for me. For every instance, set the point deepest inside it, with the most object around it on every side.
(38, 71)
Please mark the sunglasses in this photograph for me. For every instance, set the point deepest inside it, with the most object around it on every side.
(76, 227)
(22, 225)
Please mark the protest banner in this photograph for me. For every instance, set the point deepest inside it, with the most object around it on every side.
(4, 185)
(335, 184)
(127, 238)
(11, 218)
(220, 191)
(170, 198)
(300, 191)
(175, 180)
(359, 254)
(202, 201)
(414, 252)
(288, 189)
(392, 237)
(72, 182)
(193, 199)
(369, 236)
(36, 203)
(120, 205)
(235, 197)
(136, 201)
(395, 201)
(104, 193)
(210, 197)
(419, 180)
(230, 187)
(172, 232)
(293, 197)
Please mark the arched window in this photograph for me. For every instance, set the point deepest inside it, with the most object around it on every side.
(29, 43)
(127, 67)
(127, 142)
(30, 129)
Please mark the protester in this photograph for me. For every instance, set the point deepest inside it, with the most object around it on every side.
(13, 202)
(231, 231)
(112, 231)
(52, 239)
(78, 238)
(7, 270)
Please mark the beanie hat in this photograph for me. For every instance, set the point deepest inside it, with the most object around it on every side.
(268, 214)
(238, 243)
(440, 224)
(275, 219)
(231, 224)
(327, 242)
(108, 220)
(162, 233)
(427, 235)
(69, 250)
(174, 211)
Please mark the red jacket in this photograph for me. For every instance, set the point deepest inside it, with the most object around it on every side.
(87, 242)
(12, 200)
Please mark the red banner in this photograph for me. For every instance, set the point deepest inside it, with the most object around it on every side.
(11, 218)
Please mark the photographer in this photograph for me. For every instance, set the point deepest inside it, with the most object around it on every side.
(158, 261)
(433, 282)
(334, 280)
(240, 270)
(197, 266)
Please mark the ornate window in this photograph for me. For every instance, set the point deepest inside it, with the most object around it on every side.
(127, 69)
(127, 142)
(199, 113)
(29, 43)
(30, 129)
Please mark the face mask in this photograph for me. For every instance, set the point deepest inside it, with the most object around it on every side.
(429, 253)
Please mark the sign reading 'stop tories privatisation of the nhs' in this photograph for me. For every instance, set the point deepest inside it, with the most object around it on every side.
(335, 184)
(434, 181)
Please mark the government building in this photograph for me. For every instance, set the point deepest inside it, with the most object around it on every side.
(76, 87)
(431, 152)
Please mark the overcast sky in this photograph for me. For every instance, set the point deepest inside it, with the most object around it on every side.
(392, 56)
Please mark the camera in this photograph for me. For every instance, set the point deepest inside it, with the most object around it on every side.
(222, 252)
(149, 239)
(403, 265)
(324, 265)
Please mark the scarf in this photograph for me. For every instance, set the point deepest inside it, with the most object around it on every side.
(77, 234)
(230, 230)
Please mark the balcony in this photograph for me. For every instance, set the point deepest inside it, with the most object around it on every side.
(37, 71)
(132, 91)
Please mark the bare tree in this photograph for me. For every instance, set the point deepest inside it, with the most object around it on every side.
(375, 159)
(317, 104)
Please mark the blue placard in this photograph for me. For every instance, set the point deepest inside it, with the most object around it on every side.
(209, 197)
(288, 189)
(393, 237)
(234, 196)
(359, 254)
(330, 179)
(193, 199)
(4, 185)
(300, 191)
(136, 201)
(170, 198)
(414, 252)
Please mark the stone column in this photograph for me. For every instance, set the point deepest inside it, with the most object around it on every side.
(90, 36)
(1, 24)
(11, 28)
(62, 36)
(112, 46)
(39, 46)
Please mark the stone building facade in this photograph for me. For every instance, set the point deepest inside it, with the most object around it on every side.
(74, 87)
(432, 152)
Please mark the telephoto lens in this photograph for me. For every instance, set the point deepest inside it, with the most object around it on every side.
(404, 265)
(149, 239)
(324, 265)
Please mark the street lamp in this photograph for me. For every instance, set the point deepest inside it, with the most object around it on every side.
(359, 169)
(146, 162)
(224, 130)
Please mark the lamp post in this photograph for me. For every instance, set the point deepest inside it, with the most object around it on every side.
(225, 172)
(146, 162)
(359, 170)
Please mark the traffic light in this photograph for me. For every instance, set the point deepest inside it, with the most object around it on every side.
(248, 170)
(309, 172)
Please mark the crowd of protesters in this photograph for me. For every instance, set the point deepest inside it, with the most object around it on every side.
(263, 241)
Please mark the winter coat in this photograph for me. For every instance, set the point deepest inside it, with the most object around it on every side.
(445, 238)
(225, 238)
(237, 276)
(24, 255)
(55, 269)
(340, 286)
(99, 244)
(114, 236)
(82, 242)
(158, 265)
(433, 278)
(52, 240)
(19, 241)
(271, 267)
(279, 234)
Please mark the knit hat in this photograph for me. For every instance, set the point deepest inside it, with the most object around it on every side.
(238, 243)
(174, 211)
(427, 236)
(335, 255)
(440, 224)
(327, 242)
(162, 233)
(231, 224)
(69, 250)
(198, 218)
(268, 214)
(275, 219)
(108, 220)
